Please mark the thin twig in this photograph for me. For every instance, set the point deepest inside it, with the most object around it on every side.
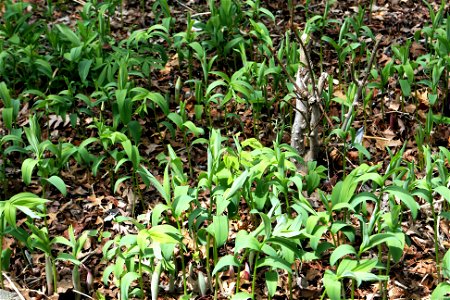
(82, 294)
(308, 62)
(299, 92)
(13, 286)
(201, 14)
(311, 74)
(361, 85)
(185, 6)
(81, 2)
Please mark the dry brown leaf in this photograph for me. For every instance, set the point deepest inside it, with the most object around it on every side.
(410, 108)
(422, 96)
(394, 104)
(417, 50)
(339, 94)
(382, 144)
(172, 63)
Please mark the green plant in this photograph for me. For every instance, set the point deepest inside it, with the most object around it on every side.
(405, 69)
(187, 127)
(76, 244)
(154, 244)
(443, 288)
(222, 28)
(41, 240)
(357, 271)
(176, 194)
(27, 203)
(48, 167)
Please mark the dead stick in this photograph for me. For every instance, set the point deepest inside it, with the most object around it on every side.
(298, 91)
(361, 85)
(308, 62)
(311, 74)
(13, 286)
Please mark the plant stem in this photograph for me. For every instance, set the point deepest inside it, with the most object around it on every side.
(141, 281)
(183, 265)
(254, 273)
(216, 283)
(2, 220)
(208, 265)
(436, 245)
(353, 290)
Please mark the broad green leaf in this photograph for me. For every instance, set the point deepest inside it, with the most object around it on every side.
(198, 49)
(346, 265)
(10, 212)
(27, 199)
(253, 143)
(271, 282)
(126, 282)
(340, 252)
(62, 240)
(362, 198)
(83, 68)
(396, 246)
(246, 241)
(58, 183)
(132, 153)
(365, 265)
(443, 191)
(160, 101)
(237, 185)
(343, 205)
(219, 230)
(164, 191)
(377, 239)
(128, 240)
(176, 118)
(44, 67)
(164, 234)
(405, 197)
(69, 257)
(214, 85)
(446, 265)
(142, 240)
(196, 131)
(284, 242)
(8, 117)
(274, 263)
(4, 95)
(182, 199)
(266, 224)
(242, 296)
(405, 86)
(106, 273)
(441, 291)
(135, 130)
(119, 181)
(68, 34)
(27, 169)
(227, 260)
(125, 106)
(332, 285)
(28, 212)
(375, 177)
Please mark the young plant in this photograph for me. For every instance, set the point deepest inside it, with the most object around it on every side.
(76, 244)
(25, 202)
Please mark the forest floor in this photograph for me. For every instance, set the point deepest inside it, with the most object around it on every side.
(391, 124)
